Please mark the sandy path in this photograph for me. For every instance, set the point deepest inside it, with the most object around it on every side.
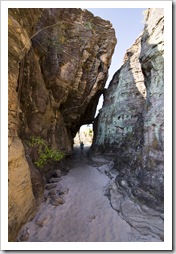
(86, 215)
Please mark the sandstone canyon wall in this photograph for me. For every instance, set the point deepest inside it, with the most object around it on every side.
(58, 66)
(130, 124)
(152, 63)
(21, 201)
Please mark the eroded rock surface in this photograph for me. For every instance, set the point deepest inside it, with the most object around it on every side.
(58, 66)
(64, 74)
(21, 200)
(130, 124)
(152, 63)
(123, 106)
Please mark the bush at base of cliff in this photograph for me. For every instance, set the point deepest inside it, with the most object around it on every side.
(45, 153)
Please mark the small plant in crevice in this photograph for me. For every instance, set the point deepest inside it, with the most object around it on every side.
(45, 153)
(89, 25)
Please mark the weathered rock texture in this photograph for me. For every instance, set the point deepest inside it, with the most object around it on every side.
(123, 105)
(58, 65)
(130, 124)
(64, 74)
(20, 196)
(152, 63)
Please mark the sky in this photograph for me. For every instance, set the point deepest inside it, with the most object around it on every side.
(128, 24)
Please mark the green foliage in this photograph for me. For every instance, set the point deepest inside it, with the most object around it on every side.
(90, 132)
(88, 25)
(33, 141)
(45, 153)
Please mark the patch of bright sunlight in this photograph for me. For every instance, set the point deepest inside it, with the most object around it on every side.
(85, 135)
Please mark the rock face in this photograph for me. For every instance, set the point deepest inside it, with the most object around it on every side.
(123, 105)
(21, 200)
(58, 66)
(152, 63)
(64, 74)
(130, 124)
(22, 204)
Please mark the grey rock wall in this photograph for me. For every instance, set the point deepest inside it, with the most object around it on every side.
(152, 63)
(129, 127)
(123, 104)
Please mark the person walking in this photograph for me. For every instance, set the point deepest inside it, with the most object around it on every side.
(81, 146)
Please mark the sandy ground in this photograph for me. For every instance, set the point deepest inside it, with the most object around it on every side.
(86, 215)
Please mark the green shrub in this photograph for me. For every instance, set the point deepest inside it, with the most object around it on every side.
(45, 153)
(89, 25)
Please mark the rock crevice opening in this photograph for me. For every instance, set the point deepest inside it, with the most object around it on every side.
(58, 67)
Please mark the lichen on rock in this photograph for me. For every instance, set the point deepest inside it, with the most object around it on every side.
(130, 124)
(152, 63)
